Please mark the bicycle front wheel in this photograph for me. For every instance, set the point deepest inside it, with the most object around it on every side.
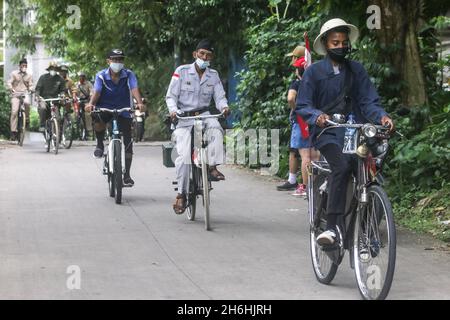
(48, 135)
(374, 245)
(324, 267)
(67, 132)
(118, 171)
(192, 195)
(205, 182)
(55, 135)
(21, 128)
(111, 181)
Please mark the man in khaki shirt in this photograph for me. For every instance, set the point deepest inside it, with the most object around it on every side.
(71, 89)
(19, 82)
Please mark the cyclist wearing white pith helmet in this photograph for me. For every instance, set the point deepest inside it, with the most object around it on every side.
(337, 85)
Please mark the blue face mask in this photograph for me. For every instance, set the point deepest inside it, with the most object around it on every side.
(202, 64)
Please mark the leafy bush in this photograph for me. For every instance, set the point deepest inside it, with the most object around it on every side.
(425, 211)
(421, 158)
(5, 111)
(34, 120)
(264, 83)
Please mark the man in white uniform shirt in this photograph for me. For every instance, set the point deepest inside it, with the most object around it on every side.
(190, 91)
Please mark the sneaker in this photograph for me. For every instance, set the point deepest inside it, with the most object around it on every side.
(287, 186)
(326, 238)
(300, 191)
(128, 182)
(363, 249)
(98, 153)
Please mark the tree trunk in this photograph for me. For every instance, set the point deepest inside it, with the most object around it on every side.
(398, 34)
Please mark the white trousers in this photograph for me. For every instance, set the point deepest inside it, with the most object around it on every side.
(182, 139)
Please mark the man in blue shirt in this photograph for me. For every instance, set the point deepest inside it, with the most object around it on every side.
(114, 88)
(322, 95)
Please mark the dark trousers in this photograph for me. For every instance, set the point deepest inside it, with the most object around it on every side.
(341, 167)
(124, 126)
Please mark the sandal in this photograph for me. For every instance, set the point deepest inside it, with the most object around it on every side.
(216, 175)
(180, 204)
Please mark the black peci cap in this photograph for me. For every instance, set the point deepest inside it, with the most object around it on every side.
(205, 44)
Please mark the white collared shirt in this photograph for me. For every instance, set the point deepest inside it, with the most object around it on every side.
(188, 92)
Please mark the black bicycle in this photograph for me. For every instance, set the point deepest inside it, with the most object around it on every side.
(21, 118)
(67, 132)
(52, 129)
(115, 155)
(80, 121)
(199, 182)
(367, 229)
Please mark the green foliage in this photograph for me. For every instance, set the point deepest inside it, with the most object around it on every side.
(5, 111)
(421, 158)
(20, 35)
(34, 120)
(263, 86)
(425, 211)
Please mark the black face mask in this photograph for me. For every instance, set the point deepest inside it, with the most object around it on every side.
(338, 54)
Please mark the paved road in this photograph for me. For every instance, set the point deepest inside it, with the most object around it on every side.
(55, 213)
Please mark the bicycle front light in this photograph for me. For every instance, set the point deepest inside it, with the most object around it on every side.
(369, 130)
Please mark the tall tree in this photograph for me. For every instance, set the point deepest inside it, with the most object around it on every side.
(398, 35)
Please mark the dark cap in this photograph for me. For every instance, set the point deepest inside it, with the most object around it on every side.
(116, 53)
(63, 67)
(206, 45)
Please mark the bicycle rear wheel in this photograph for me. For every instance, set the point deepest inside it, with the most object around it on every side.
(67, 132)
(118, 171)
(81, 128)
(324, 267)
(21, 127)
(374, 246)
(205, 183)
(55, 135)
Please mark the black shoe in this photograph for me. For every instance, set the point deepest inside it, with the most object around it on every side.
(98, 153)
(287, 186)
(128, 182)
(13, 136)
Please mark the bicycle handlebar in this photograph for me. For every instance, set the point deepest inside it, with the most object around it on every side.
(97, 110)
(351, 125)
(200, 117)
(50, 99)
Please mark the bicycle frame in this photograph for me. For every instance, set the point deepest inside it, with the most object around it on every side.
(367, 227)
(115, 136)
(197, 136)
(199, 162)
(356, 195)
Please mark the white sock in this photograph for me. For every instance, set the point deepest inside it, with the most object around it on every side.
(292, 178)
